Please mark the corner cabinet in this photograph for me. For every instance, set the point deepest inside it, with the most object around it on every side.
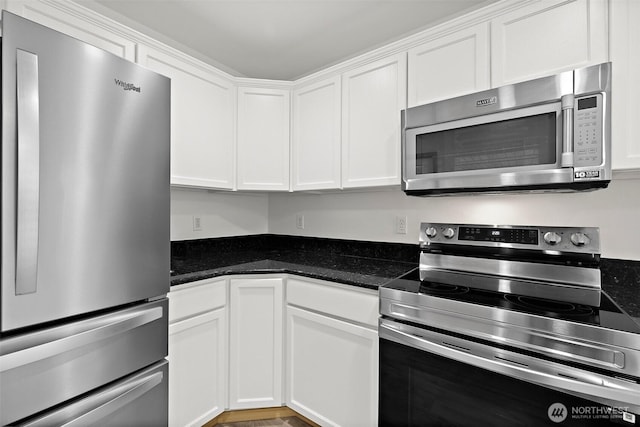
(263, 138)
(372, 98)
(202, 120)
(625, 56)
(332, 353)
(548, 37)
(449, 66)
(197, 352)
(256, 342)
(315, 148)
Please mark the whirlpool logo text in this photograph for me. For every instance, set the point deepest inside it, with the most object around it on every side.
(127, 86)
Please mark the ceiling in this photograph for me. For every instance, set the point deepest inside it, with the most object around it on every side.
(279, 39)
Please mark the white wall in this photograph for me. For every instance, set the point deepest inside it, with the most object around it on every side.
(222, 214)
(372, 215)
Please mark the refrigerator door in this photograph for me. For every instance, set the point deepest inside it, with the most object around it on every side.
(85, 178)
(139, 400)
(47, 367)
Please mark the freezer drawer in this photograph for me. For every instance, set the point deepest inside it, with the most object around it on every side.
(139, 400)
(44, 368)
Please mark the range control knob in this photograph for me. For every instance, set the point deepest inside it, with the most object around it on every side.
(552, 238)
(431, 232)
(449, 233)
(580, 239)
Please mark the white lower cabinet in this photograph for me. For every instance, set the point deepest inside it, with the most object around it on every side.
(230, 352)
(255, 344)
(197, 352)
(332, 361)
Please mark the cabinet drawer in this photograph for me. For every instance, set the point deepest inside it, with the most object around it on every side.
(358, 305)
(194, 298)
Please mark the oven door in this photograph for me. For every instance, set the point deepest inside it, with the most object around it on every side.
(431, 378)
(515, 148)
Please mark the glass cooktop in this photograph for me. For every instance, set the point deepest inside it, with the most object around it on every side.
(608, 315)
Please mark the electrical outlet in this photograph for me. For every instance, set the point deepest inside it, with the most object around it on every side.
(197, 223)
(401, 225)
(300, 221)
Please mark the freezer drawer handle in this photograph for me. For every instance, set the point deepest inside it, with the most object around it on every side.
(117, 325)
(28, 172)
(94, 410)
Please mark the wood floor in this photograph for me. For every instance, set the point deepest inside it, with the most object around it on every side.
(265, 417)
(275, 422)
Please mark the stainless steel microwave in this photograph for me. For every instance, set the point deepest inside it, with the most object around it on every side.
(552, 133)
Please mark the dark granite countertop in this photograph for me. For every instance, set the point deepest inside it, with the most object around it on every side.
(363, 264)
(320, 260)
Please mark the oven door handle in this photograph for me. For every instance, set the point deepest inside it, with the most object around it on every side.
(615, 392)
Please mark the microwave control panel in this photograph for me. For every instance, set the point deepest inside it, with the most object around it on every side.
(588, 143)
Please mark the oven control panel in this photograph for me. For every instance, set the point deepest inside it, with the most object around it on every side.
(562, 239)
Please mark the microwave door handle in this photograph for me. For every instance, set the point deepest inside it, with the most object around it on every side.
(28, 105)
(567, 131)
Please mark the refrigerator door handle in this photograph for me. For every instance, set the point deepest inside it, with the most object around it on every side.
(105, 329)
(28, 106)
(96, 408)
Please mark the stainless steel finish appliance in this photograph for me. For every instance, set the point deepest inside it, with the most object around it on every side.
(506, 325)
(85, 233)
(552, 133)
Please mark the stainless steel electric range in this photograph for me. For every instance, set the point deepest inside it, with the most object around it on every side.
(506, 325)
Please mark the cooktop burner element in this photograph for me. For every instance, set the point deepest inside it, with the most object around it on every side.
(441, 288)
(550, 308)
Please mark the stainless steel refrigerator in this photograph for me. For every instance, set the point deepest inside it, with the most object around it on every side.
(85, 233)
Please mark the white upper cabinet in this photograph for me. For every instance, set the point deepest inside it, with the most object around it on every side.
(372, 98)
(77, 22)
(547, 37)
(625, 56)
(263, 138)
(449, 66)
(202, 120)
(316, 135)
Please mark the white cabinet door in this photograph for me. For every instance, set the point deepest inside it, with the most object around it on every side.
(263, 139)
(449, 66)
(197, 352)
(77, 22)
(332, 370)
(202, 120)
(547, 37)
(316, 135)
(625, 58)
(372, 98)
(197, 363)
(255, 345)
